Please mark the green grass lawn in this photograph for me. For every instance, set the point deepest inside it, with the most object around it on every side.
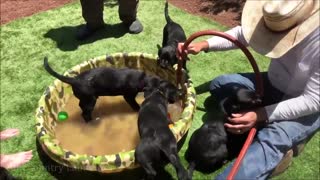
(25, 42)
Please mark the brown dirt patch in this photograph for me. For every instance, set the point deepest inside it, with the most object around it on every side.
(226, 12)
(14, 9)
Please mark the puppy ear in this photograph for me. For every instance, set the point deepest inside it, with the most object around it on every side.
(147, 91)
(226, 106)
(158, 46)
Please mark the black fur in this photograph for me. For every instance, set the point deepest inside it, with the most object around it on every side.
(157, 143)
(241, 99)
(103, 81)
(211, 145)
(173, 33)
(207, 149)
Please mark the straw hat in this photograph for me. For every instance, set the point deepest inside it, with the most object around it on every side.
(273, 27)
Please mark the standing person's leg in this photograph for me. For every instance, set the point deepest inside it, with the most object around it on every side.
(92, 12)
(128, 15)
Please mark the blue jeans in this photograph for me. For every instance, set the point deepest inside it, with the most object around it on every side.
(275, 139)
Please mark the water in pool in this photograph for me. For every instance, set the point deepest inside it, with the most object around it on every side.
(113, 130)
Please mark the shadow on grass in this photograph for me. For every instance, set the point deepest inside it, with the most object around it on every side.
(62, 172)
(65, 37)
(212, 110)
(210, 104)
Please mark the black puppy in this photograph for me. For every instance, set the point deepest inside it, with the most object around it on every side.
(5, 175)
(242, 99)
(157, 143)
(207, 148)
(172, 35)
(211, 145)
(103, 81)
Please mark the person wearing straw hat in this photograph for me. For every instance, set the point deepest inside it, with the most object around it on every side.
(288, 32)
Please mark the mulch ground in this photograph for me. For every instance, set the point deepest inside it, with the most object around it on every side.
(15, 9)
(226, 12)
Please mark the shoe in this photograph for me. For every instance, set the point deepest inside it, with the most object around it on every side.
(283, 164)
(299, 148)
(85, 31)
(135, 27)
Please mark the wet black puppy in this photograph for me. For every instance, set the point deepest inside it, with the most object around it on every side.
(211, 145)
(5, 175)
(172, 35)
(157, 143)
(103, 81)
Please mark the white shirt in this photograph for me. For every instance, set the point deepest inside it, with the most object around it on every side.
(296, 73)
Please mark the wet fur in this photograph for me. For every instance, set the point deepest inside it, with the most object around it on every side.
(173, 33)
(157, 143)
(211, 145)
(103, 81)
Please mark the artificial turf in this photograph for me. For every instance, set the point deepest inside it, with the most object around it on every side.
(26, 41)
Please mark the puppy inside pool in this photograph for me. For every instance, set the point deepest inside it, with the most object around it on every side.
(114, 128)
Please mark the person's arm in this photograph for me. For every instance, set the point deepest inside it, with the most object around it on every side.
(305, 104)
(214, 43)
(220, 44)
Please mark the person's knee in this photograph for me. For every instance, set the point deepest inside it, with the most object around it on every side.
(217, 82)
(275, 137)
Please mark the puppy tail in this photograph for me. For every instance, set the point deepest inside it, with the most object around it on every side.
(62, 78)
(191, 168)
(166, 13)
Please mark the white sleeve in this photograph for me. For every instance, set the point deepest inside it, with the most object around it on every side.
(305, 104)
(220, 44)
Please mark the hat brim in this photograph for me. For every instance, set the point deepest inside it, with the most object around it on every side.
(269, 43)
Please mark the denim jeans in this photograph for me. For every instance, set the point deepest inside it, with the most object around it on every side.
(272, 141)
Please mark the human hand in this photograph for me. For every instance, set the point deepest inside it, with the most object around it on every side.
(242, 122)
(193, 48)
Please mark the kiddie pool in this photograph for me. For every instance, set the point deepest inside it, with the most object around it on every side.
(57, 94)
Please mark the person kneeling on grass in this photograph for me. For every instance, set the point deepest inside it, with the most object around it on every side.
(288, 32)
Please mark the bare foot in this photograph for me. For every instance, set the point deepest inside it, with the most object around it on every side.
(10, 161)
(8, 133)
